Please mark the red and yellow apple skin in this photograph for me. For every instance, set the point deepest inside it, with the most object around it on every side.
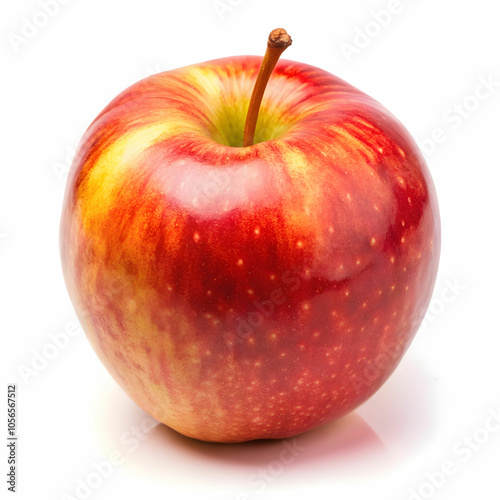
(243, 293)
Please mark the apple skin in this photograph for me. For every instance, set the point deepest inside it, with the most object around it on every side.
(244, 293)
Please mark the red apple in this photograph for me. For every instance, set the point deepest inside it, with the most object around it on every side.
(238, 293)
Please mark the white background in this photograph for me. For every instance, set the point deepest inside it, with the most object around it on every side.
(423, 65)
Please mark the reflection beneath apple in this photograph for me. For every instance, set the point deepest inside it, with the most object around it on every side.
(372, 440)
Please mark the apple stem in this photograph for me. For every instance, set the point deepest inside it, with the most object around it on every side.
(277, 42)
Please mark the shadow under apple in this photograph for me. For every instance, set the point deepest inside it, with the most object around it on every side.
(393, 424)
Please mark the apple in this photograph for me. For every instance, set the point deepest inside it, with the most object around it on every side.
(246, 280)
